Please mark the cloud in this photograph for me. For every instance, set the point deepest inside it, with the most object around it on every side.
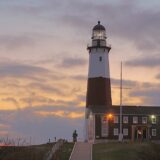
(46, 88)
(62, 114)
(126, 83)
(79, 77)
(15, 69)
(13, 42)
(35, 99)
(42, 123)
(147, 61)
(4, 126)
(28, 85)
(149, 96)
(72, 62)
(157, 76)
(50, 107)
(13, 100)
(141, 93)
(126, 21)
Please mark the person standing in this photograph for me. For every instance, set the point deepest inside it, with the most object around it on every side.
(75, 135)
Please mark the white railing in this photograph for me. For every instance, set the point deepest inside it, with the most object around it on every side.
(54, 149)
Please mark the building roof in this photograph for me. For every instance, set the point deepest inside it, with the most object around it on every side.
(143, 110)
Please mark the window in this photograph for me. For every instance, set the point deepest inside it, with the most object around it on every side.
(115, 131)
(144, 120)
(115, 119)
(154, 132)
(99, 34)
(125, 119)
(153, 119)
(100, 59)
(104, 119)
(125, 131)
(135, 120)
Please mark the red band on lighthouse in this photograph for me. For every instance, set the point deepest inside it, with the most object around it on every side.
(98, 92)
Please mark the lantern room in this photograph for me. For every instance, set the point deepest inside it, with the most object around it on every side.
(99, 32)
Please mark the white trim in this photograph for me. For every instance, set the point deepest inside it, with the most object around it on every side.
(72, 151)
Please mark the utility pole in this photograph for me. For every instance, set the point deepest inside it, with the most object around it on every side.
(120, 133)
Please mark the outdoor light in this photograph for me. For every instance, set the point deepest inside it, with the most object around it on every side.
(153, 116)
(110, 116)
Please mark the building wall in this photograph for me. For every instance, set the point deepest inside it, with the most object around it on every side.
(130, 125)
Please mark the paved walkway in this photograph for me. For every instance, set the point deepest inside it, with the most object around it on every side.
(82, 151)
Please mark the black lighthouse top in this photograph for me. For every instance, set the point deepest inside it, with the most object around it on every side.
(99, 26)
(99, 32)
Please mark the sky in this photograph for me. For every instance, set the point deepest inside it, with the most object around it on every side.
(44, 61)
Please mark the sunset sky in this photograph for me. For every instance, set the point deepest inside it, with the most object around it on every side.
(44, 61)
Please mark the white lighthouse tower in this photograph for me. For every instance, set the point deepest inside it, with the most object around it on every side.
(98, 87)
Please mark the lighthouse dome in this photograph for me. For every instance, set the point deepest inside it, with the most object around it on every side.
(99, 26)
(99, 32)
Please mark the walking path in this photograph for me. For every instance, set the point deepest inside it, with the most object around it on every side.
(82, 151)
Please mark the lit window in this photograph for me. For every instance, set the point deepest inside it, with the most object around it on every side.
(135, 120)
(125, 131)
(115, 131)
(115, 119)
(144, 120)
(125, 119)
(154, 132)
(153, 119)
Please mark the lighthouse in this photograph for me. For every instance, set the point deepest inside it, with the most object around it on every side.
(104, 121)
(98, 87)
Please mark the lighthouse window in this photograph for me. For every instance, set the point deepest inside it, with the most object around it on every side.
(100, 59)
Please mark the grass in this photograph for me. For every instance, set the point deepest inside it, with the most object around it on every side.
(35, 152)
(126, 151)
(66, 150)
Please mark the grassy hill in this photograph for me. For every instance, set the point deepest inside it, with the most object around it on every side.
(126, 151)
(65, 151)
(35, 152)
